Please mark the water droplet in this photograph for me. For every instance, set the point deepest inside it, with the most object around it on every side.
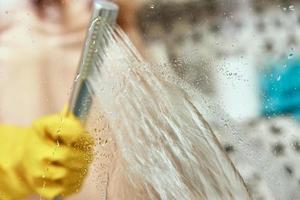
(278, 78)
(291, 7)
(290, 55)
(152, 6)
(77, 77)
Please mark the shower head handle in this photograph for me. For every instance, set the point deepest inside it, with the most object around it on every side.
(81, 100)
(104, 13)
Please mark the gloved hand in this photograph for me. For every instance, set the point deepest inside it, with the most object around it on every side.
(49, 158)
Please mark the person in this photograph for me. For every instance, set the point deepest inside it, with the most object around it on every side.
(51, 156)
(41, 42)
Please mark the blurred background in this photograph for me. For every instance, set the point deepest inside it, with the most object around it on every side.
(239, 55)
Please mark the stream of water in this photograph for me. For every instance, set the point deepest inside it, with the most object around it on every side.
(163, 147)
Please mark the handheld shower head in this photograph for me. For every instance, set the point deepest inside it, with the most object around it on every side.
(104, 13)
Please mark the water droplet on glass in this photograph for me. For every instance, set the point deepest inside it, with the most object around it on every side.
(152, 6)
(290, 55)
(291, 7)
(278, 78)
(77, 77)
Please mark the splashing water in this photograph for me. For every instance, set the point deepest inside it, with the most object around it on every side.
(164, 148)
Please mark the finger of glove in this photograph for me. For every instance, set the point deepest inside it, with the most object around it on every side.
(46, 153)
(65, 130)
(74, 183)
(70, 183)
(49, 153)
(48, 189)
(48, 170)
(65, 156)
(55, 172)
(78, 159)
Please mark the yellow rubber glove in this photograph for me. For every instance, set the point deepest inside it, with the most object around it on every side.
(49, 158)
